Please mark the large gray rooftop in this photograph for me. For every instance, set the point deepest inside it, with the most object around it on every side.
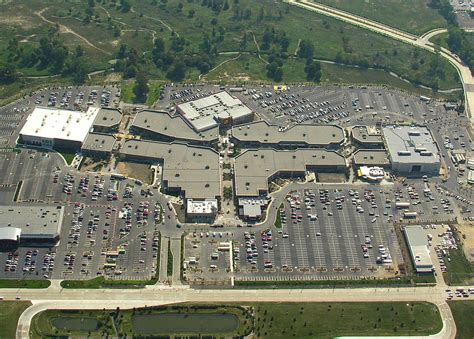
(302, 134)
(107, 117)
(96, 142)
(34, 221)
(371, 157)
(410, 144)
(367, 135)
(193, 169)
(253, 168)
(173, 127)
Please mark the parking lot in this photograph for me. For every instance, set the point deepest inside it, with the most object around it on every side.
(332, 105)
(101, 215)
(208, 256)
(328, 232)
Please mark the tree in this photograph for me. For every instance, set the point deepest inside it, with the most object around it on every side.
(8, 73)
(306, 49)
(125, 6)
(141, 87)
(313, 71)
(177, 72)
(122, 51)
(274, 71)
(79, 51)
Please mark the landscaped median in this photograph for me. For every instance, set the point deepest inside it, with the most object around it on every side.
(262, 320)
(10, 312)
(101, 282)
(402, 282)
(15, 283)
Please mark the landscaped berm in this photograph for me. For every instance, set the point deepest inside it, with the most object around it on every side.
(265, 320)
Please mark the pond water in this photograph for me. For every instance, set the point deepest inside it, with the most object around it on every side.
(75, 324)
(184, 323)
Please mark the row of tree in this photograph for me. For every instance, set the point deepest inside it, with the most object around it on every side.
(50, 54)
(458, 41)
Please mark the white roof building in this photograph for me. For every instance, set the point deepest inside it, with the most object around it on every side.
(204, 207)
(205, 113)
(47, 126)
(418, 246)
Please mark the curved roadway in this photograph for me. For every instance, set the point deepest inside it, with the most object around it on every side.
(54, 298)
(422, 42)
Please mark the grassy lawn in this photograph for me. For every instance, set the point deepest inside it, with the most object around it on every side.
(265, 320)
(68, 157)
(126, 94)
(460, 270)
(462, 313)
(278, 217)
(10, 312)
(169, 267)
(404, 282)
(330, 37)
(341, 319)
(24, 283)
(101, 282)
(414, 16)
(153, 93)
(442, 39)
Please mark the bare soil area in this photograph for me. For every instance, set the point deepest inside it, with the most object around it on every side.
(136, 170)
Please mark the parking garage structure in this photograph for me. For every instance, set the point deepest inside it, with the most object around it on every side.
(161, 126)
(190, 171)
(253, 169)
(38, 226)
(262, 134)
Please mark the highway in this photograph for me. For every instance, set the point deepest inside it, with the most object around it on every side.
(422, 42)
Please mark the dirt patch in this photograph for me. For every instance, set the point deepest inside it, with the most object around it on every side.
(136, 170)
(467, 234)
(113, 77)
(89, 164)
(17, 21)
(331, 177)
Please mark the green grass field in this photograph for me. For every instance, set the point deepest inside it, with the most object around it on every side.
(275, 320)
(413, 16)
(10, 312)
(460, 270)
(69, 157)
(24, 283)
(101, 282)
(332, 39)
(462, 313)
(442, 39)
